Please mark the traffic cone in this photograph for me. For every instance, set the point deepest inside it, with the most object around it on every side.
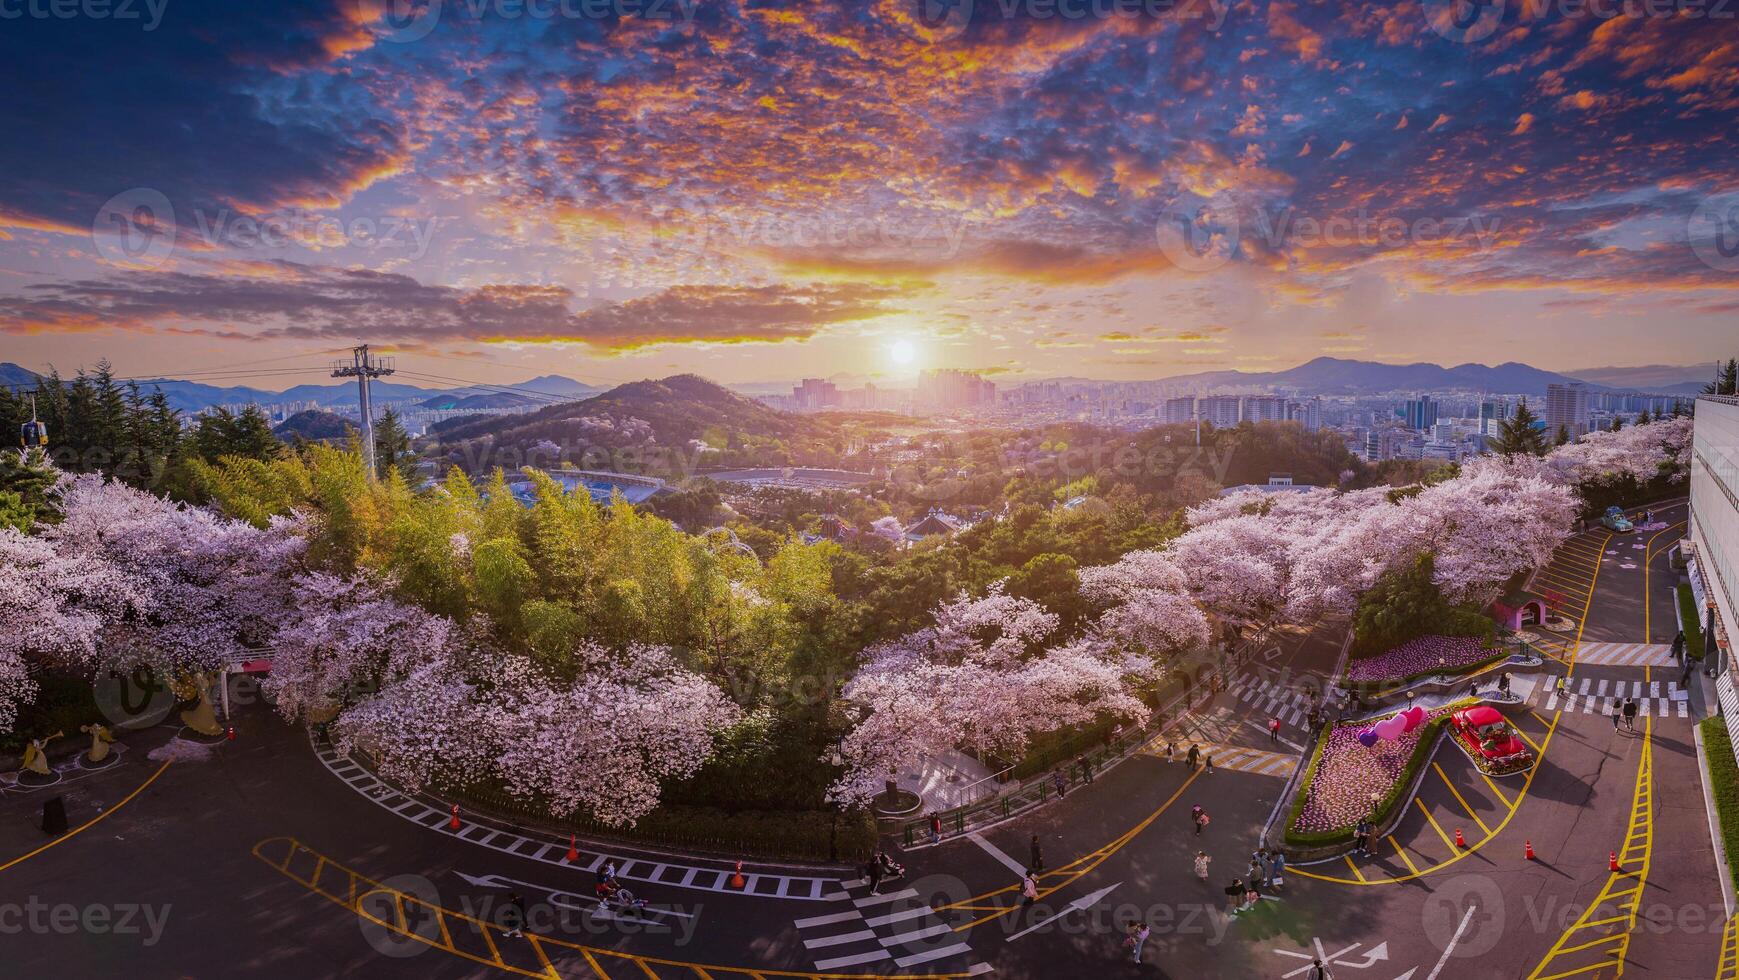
(453, 824)
(1529, 849)
(1460, 841)
(573, 849)
(232, 733)
(738, 882)
(1612, 861)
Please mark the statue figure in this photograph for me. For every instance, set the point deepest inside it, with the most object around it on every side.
(201, 718)
(100, 740)
(36, 755)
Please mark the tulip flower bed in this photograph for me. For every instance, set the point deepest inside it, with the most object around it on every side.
(1344, 775)
(1420, 658)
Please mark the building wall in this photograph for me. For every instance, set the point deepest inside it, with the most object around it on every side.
(1715, 503)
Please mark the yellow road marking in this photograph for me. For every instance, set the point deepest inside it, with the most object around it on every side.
(1356, 872)
(1461, 800)
(81, 828)
(1534, 745)
(1401, 851)
(594, 956)
(1068, 872)
(1626, 884)
(1501, 798)
(1727, 968)
(1434, 824)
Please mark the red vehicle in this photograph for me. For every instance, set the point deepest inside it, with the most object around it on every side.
(1488, 739)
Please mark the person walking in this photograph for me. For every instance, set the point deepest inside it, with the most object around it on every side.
(1254, 877)
(1278, 870)
(1200, 818)
(1264, 865)
(1038, 855)
(1679, 645)
(1201, 865)
(935, 828)
(1138, 933)
(1061, 782)
(1617, 715)
(1630, 714)
(513, 916)
(1195, 755)
(1274, 729)
(1170, 751)
(875, 873)
(1235, 896)
(1208, 763)
(1086, 770)
(1029, 890)
(1318, 971)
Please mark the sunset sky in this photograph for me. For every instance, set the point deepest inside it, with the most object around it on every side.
(756, 191)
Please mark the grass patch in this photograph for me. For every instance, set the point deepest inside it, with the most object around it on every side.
(1693, 625)
(1723, 786)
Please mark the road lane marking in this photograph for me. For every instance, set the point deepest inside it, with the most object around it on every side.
(1402, 851)
(1459, 799)
(81, 828)
(1011, 864)
(1434, 824)
(1454, 941)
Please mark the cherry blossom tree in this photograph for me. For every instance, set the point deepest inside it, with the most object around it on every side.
(981, 677)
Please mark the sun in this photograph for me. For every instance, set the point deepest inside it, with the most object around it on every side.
(903, 352)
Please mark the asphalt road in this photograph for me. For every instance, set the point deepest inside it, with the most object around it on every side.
(257, 861)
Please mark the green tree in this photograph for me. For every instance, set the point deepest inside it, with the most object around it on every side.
(26, 483)
(1517, 435)
(1563, 436)
(1617, 422)
(246, 435)
(392, 447)
(1726, 379)
(1642, 418)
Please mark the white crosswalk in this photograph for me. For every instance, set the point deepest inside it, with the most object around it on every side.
(1229, 757)
(1274, 700)
(1592, 696)
(1626, 654)
(895, 928)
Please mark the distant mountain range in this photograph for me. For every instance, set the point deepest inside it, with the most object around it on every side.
(1334, 375)
(192, 396)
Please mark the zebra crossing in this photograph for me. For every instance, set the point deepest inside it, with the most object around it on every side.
(1231, 757)
(894, 928)
(1274, 700)
(1626, 654)
(1597, 697)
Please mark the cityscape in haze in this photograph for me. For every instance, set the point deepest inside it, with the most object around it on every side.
(869, 489)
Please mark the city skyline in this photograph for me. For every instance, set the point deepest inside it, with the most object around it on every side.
(759, 193)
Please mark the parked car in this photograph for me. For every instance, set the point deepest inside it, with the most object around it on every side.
(1614, 518)
(1487, 736)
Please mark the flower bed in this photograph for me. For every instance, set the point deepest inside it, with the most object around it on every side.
(1419, 658)
(1344, 775)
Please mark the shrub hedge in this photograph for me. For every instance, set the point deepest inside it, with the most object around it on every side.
(1724, 786)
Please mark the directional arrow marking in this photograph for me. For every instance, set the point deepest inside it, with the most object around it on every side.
(1084, 902)
(562, 897)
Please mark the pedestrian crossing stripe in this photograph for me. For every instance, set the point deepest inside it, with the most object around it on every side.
(1626, 654)
(1233, 757)
(1590, 698)
(1276, 701)
(894, 928)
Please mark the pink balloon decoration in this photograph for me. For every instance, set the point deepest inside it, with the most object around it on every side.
(1390, 728)
(1415, 717)
(1368, 737)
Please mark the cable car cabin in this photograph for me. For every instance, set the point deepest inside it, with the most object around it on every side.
(33, 433)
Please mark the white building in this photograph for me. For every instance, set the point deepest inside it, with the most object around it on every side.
(1567, 408)
(1264, 408)
(1714, 524)
(1179, 409)
(1222, 411)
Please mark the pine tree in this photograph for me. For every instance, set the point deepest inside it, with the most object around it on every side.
(1517, 435)
(1563, 437)
(26, 482)
(1643, 418)
(392, 447)
(1726, 379)
(1617, 422)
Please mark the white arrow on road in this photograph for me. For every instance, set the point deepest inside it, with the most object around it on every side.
(1084, 902)
(556, 895)
(1376, 954)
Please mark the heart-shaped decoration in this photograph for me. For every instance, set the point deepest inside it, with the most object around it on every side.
(1415, 716)
(1390, 728)
(1368, 737)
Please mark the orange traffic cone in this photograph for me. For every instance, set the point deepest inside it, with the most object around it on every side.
(1460, 841)
(1612, 861)
(453, 824)
(737, 880)
(232, 733)
(1529, 849)
(573, 849)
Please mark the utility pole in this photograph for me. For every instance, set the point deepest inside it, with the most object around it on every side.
(363, 368)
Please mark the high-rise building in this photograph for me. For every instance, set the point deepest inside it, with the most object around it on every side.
(1389, 443)
(948, 388)
(1264, 408)
(1222, 411)
(1307, 413)
(815, 393)
(1179, 409)
(1421, 413)
(1567, 408)
(1492, 413)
